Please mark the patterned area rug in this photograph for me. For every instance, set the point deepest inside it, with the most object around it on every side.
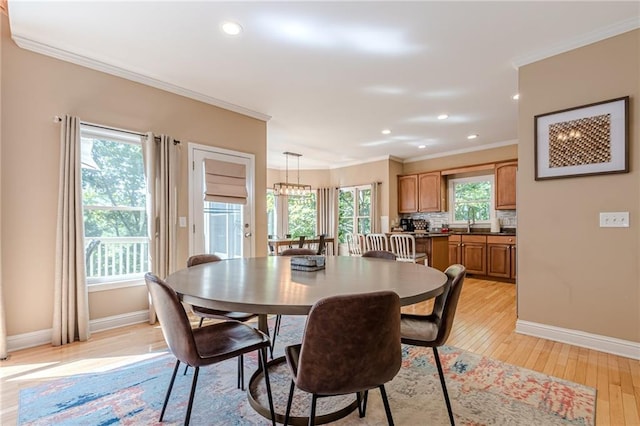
(482, 391)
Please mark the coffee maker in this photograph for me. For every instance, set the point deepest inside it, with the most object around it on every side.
(407, 225)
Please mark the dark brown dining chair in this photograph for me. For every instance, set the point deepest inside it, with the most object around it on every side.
(209, 313)
(321, 245)
(351, 344)
(379, 254)
(433, 330)
(297, 252)
(204, 345)
(301, 241)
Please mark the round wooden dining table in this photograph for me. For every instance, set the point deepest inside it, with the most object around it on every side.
(268, 285)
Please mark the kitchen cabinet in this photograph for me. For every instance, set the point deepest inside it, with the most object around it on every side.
(408, 194)
(432, 192)
(505, 183)
(424, 192)
(436, 250)
(470, 251)
(501, 256)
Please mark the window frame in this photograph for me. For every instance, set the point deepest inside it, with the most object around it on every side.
(451, 195)
(355, 218)
(95, 284)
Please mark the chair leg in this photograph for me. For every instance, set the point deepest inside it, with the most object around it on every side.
(289, 401)
(312, 414)
(359, 401)
(364, 403)
(276, 331)
(240, 372)
(263, 358)
(166, 398)
(196, 370)
(387, 409)
(444, 385)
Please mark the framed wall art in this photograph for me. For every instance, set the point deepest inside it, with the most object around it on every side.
(583, 141)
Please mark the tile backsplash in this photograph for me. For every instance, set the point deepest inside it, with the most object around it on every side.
(508, 218)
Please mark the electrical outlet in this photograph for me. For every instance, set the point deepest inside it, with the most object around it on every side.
(614, 219)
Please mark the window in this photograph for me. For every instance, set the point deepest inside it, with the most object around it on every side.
(114, 205)
(302, 215)
(354, 211)
(471, 198)
(272, 216)
(295, 215)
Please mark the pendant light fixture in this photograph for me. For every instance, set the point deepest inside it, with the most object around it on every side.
(287, 188)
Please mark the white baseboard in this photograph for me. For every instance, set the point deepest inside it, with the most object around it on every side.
(43, 337)
(598, 342)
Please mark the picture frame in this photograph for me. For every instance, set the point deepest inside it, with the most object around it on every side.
(587, 140)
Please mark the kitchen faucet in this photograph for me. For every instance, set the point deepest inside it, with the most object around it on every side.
(471, 218)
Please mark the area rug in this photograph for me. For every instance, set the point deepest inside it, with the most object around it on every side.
(482, 391)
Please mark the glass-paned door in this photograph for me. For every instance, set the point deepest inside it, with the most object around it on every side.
(221, 228)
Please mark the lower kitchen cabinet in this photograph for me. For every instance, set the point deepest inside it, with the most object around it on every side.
(501, 256)
(470, 251)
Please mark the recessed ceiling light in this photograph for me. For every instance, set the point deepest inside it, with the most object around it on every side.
(516, 96)
(472, 136)
(386, 132)
(443, 117)
(231, 28)
(422, 146)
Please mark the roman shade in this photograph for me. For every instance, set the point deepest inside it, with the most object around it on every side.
(225, 182)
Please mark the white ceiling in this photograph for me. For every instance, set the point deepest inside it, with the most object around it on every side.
(331, 75)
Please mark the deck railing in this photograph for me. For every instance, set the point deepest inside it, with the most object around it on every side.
(116, 258)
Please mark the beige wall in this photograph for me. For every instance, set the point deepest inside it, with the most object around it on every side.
(571, 273)
(34, 89)
(508, 152)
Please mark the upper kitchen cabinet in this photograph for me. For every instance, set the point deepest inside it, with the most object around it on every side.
(424, 192)
(505, 181)
(432, 191)
(408, 194)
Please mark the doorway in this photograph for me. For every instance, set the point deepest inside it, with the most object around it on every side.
(220, 226)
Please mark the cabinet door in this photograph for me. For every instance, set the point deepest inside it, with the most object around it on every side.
(408, 194)
(499, 260)
(505, 180)
(430, 192)
(474, 258)
(454, 252)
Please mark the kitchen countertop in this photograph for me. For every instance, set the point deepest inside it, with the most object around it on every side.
(446, 234)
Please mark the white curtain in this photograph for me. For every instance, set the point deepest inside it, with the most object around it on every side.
(161, 170)
(375, 208)
(327, 209)
(71, 301)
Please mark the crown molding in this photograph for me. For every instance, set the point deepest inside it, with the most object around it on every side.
(54, 52)
(584, 40)
(462, 151)
(365, 161)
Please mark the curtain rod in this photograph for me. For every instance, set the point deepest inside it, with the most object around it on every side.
(57, 119)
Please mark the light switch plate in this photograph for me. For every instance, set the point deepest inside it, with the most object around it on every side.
(614, 219)
(182, 221)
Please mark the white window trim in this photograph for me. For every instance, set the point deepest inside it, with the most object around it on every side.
(451, 194)
(112, 285)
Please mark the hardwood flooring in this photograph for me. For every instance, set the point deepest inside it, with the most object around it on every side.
(485, 323)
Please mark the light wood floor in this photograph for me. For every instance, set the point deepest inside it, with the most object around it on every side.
(484, 324)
